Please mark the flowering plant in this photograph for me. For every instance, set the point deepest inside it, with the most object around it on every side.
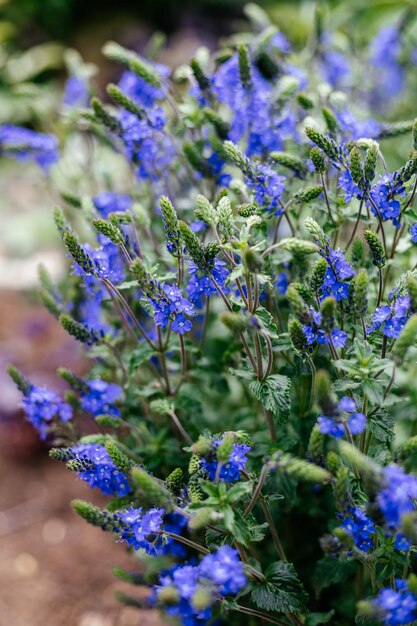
(247, 294)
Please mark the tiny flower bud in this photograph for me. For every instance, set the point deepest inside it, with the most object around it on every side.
(324, 395)
(201, 599)
(318, 161)
(174, 481)
(298, 337)
(377, 250)
(328, 313)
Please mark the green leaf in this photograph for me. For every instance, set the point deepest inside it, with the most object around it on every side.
(274, 394)
(314, 619)
(282, 592)
(331, 571)
(267, 322)
(239, 491)
(381, 425)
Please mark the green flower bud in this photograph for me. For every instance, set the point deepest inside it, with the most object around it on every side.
(237, 157)
(110, 231)
(194, 490)
(221, 127)
(225, 218)
(318, 161)
(201, 599)
(395, 129)
(79, 331)
(205, 211)
(202, 80)
(121, 461)
(150, 489)
(160, 406)
(172, 232)
(202, 446)
(406, 339)
(317, 276)
(251, 260)
(293, 163)
(328, 145)
(175, 481)
(301, 469)
(298, 305)
(362, 463)
(244, 66)
(377, 250)
(344, 537)
(79, 255)
(107, 421)
(128, 577)
(341, 487)
(266, 65)
(22, 383)
(298, 337)
(324, 395)
(150, 287)
(412, 292)
(359, 292)
(195, 158)
(168, 596)
(328, 313)
(358, 256)
(305, 102)
(309, 193)
(333, 462)
(316, 446)
(355, 164)
(330, 120)
(369, 165)
(225, 448)
(124, 101)
(236, 322)
(195, 461)
(246, 210)
(320, 238)
(298, 246)
(102, 115)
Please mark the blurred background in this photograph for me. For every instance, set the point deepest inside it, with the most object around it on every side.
(56, 570)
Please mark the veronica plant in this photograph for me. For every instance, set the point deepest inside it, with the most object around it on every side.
(245, 288)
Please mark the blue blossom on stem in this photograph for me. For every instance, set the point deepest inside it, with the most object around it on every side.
(396, 607)
(200, 285)
(314, 332)
(99, 470)
(24, 144)
(110, 202)
(360, 527)
(392, 317)
(268, 187)
(229, 471)
(42, 405)
(138, 527)
(346, 417)
(413, 233)
(101, 397)
(384, 195)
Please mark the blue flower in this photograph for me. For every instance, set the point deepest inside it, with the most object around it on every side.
(139, 526)
(181, 325)
(229, 471)
(101, 397)
(344, 417)
(76, 92)
(200, 285)
(42, 405)
(383, 196)
(413, 233)
(397, 495)
(225, 569)
(99, 470)
(393, 316)
(396, 607)
(24, 144)
(110, 202)
(360, 527)
(267, 186)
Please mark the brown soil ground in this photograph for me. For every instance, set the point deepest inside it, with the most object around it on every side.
(55, 569)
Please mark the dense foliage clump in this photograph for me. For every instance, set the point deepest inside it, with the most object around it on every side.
(244, 282)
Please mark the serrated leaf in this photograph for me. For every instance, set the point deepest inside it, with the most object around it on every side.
(267, 322)
(331, 571)
(381, 425)
(282, 592)
(239, 491)
(274, 394)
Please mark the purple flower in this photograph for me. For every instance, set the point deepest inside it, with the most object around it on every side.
(24, 144)
(42, 405)
(396, 608)
(98, 470)
(100, 398)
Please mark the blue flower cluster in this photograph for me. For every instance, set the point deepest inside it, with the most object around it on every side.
(99, 470)
(383, 195)
(345, 417)
(397, 496)
(137, 528)
(42, 405)
(101, 397)
(198, 587)
(172, 306)
(392, 317)
(200, 285)
(25, 144)
(360, 527)
(339, 271)
(111, 202)
(314, 332)
(268, 187)
(230, 471)
(396, 607)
